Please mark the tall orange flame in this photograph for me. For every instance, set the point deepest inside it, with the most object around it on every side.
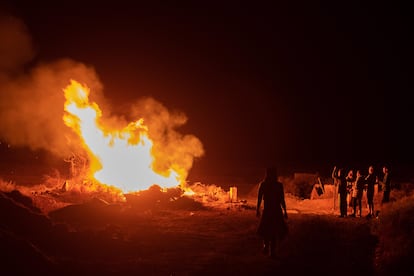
(121, 158)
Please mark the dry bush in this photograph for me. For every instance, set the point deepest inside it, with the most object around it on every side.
(395, 231)
(55, 192)
(7, 186)
(401, 190)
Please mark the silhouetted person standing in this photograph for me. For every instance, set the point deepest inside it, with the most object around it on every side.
(339, 175)
(370, 181)
(386, 185)
(350, 187)
(335, 192)
(360, 184)
(272, 226)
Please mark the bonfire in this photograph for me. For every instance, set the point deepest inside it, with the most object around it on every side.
(128, 207)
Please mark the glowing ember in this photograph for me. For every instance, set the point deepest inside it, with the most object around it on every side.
(120, 157)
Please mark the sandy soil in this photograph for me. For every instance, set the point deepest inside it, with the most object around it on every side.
(181, 238)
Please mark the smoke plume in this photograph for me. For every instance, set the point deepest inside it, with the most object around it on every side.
(32, 100)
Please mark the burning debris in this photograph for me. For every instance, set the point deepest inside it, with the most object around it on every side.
(129, 154)
(126, 156)
(117, 158)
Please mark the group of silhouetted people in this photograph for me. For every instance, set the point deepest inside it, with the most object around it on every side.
(273, 227)
(347, 184)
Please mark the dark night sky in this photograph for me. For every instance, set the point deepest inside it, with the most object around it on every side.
(304, 86)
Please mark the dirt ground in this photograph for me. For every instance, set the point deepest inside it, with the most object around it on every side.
(184, 238)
